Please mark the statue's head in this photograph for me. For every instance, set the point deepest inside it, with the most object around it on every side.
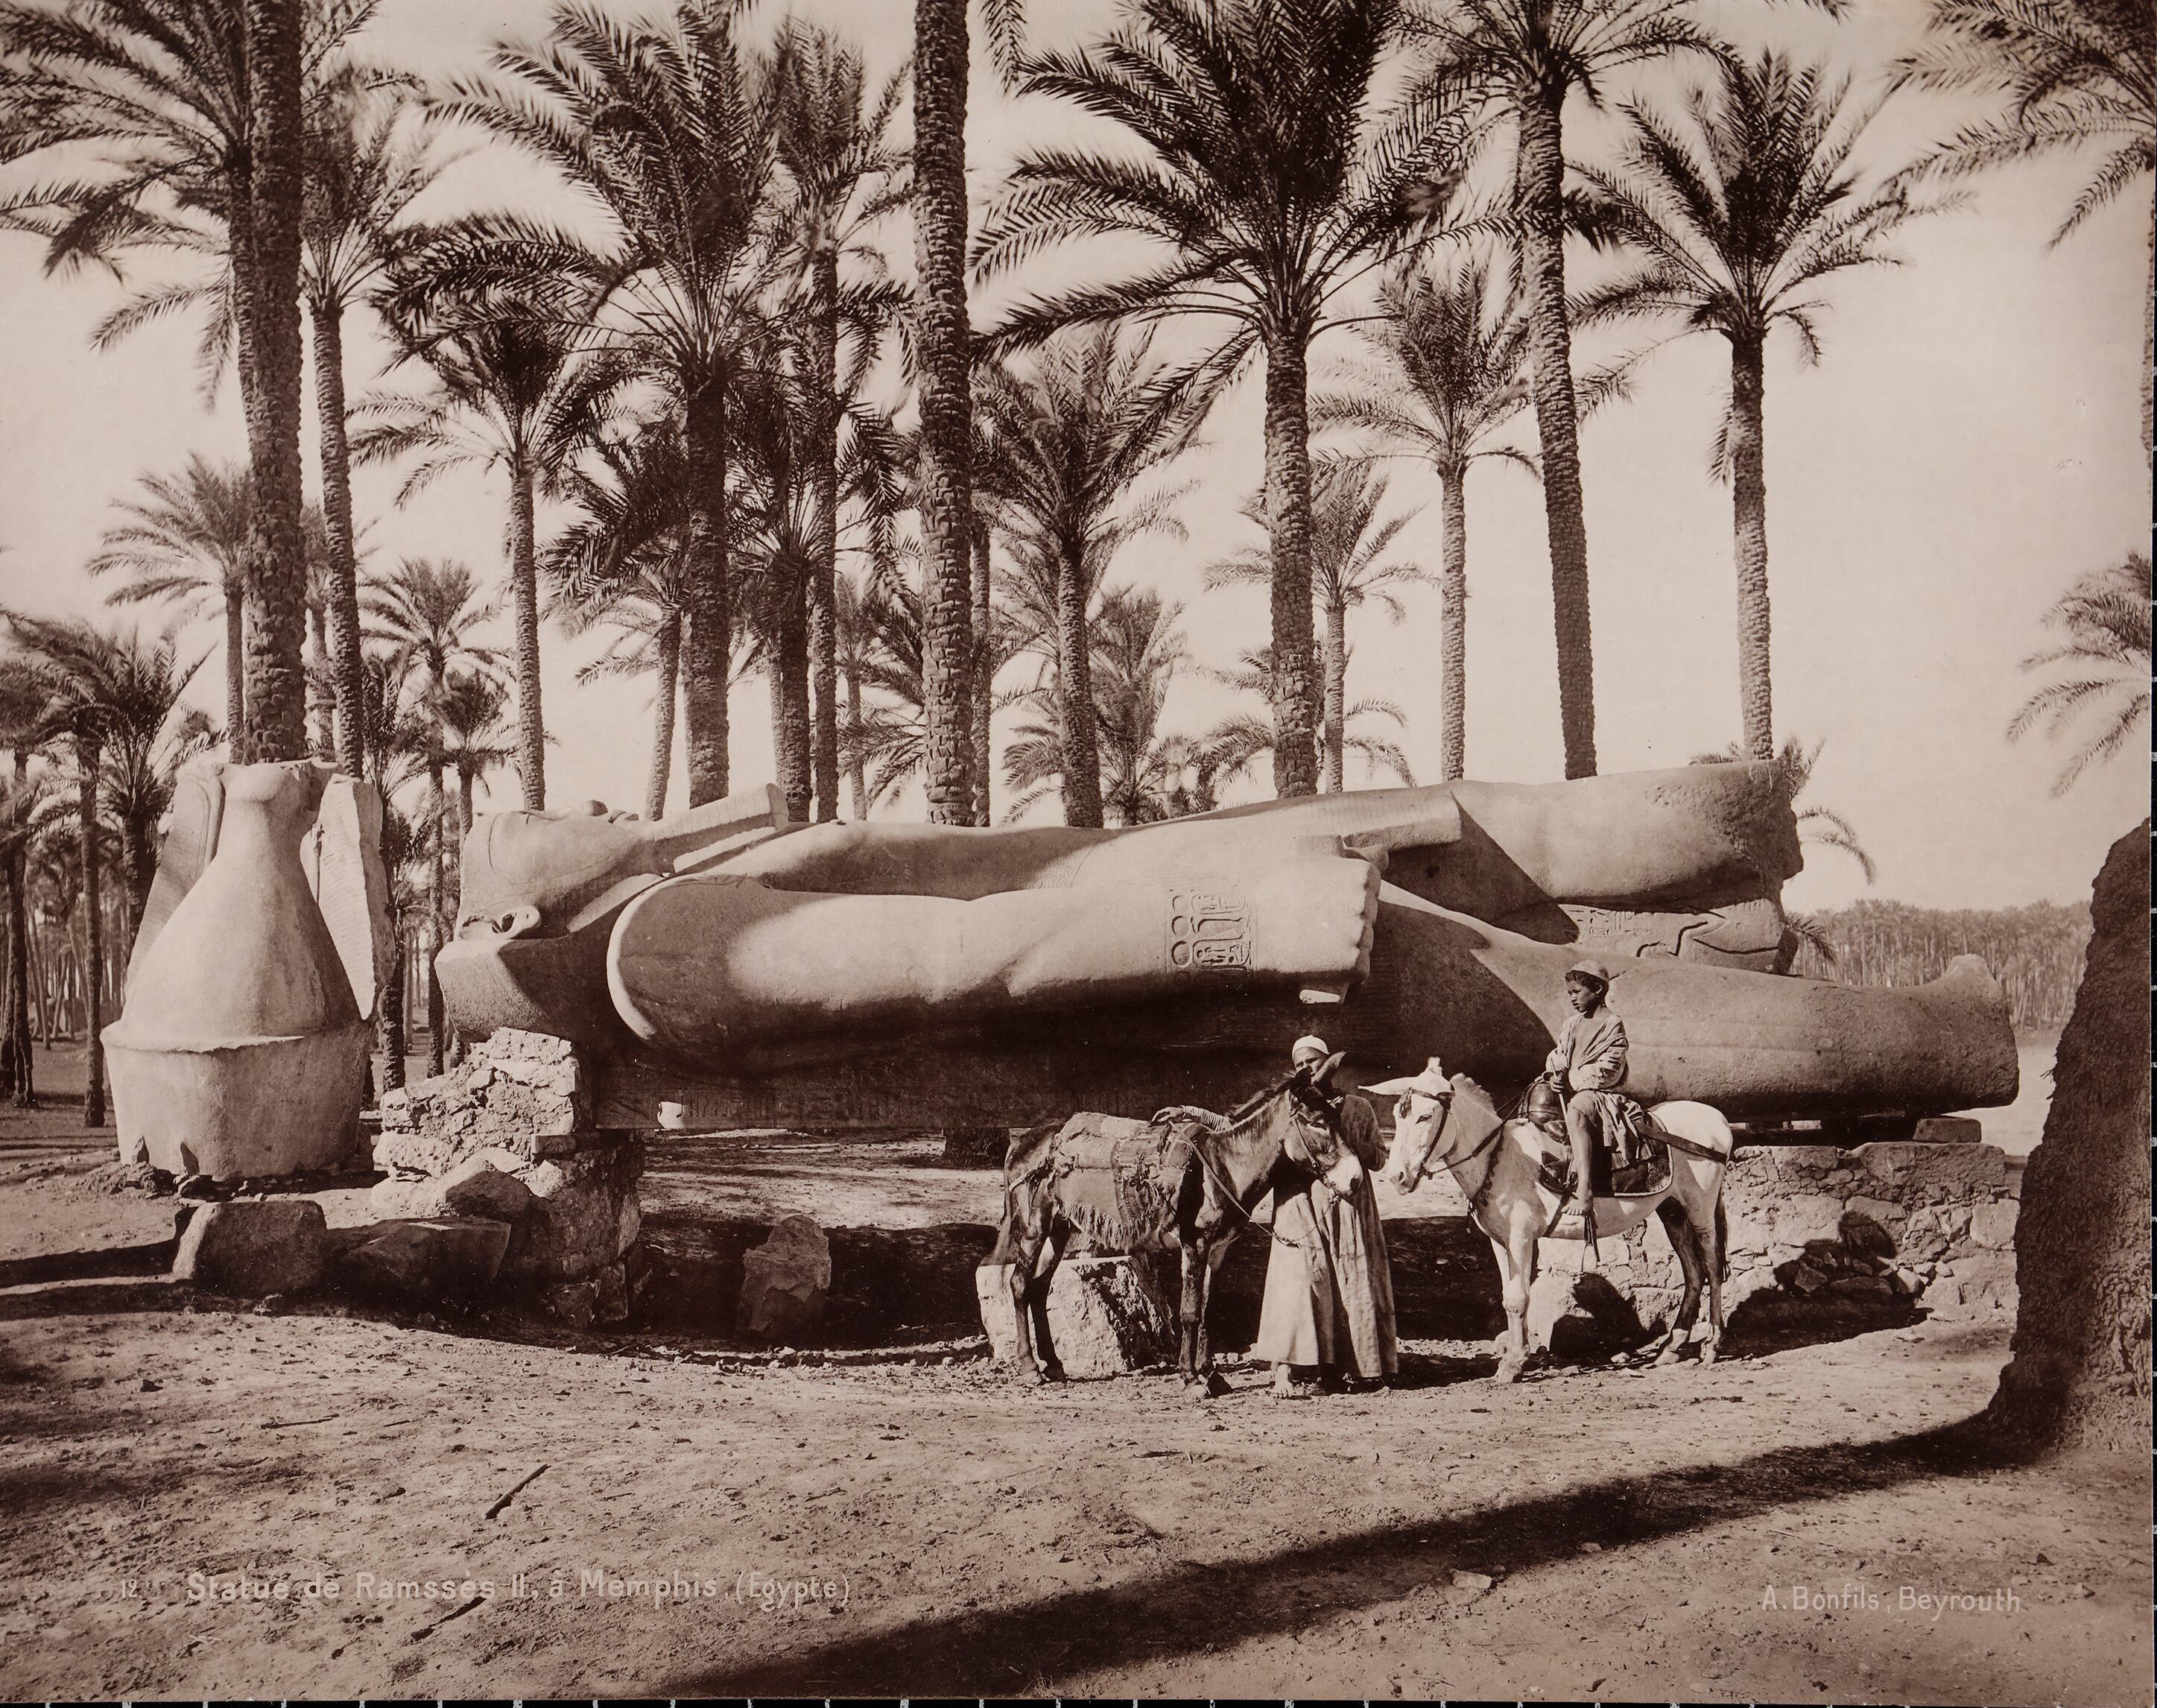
(529, 874)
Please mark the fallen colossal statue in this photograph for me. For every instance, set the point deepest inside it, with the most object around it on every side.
(723, 967)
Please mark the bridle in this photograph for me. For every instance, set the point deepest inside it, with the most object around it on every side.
(1243, 1114)
(1447, 1159)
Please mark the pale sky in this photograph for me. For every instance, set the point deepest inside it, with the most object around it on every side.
(1969, 445)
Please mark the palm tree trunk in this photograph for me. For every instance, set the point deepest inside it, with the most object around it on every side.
(1453, 626)
(138, 866)
(235, 670)
(438, 899)
(985, 671)
(348, 720)
(1542, 181)
(1074, 688)
(707, 644)
(15, 1011)
(1295, 687)
(795, 739)
(93, 1102)
(1336, 694)
(276, 585)
(322, 712)
(856, 769)
(669, 645)
(942, 344)
(524, 578)
(663, 701)
(824, 539)
(1748, 485)
(392, 1006)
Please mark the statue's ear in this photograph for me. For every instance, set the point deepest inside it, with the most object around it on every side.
(1322, 1075)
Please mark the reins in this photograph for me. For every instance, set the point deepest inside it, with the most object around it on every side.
(1252, 1109)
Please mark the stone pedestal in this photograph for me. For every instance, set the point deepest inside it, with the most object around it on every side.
(508, 1136)
(1108, 1316)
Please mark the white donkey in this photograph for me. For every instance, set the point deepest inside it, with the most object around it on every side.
(1499, 1164)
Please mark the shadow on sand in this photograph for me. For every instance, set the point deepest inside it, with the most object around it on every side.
(1193, 1608)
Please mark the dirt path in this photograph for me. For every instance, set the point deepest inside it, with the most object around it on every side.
(1105, 1538)
(1666, 1535)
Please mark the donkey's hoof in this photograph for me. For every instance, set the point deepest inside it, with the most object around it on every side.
(1508, 1370)
(1707, 1352)
(1668, 1355)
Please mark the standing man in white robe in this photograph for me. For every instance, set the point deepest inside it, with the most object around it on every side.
(1328, 1314)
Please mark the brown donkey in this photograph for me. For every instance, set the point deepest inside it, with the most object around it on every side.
(1186, 1181)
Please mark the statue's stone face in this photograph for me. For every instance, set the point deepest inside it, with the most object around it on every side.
(527, 873)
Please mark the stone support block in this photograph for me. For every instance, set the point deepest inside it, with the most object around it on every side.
(1107, 1316)
(252, 1248)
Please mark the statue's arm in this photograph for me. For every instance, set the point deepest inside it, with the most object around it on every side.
(715, 965)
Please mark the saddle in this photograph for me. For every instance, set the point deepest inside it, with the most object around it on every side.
(1644, 1168)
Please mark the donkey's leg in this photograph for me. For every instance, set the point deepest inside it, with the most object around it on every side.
(1710, 1231)
(1516, 1270)
(1684, 1240)
(1191, 1308)
(1044, 1278)
(1216, 1249)
(1025, 1251)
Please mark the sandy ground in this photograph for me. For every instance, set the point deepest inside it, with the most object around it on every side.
(1663, 1534)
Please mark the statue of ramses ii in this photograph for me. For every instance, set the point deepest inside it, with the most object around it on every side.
(724, 965)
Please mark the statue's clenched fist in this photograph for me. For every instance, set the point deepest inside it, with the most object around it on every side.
(1311, 921)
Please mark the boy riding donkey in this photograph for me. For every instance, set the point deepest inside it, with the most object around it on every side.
(1582, 1078)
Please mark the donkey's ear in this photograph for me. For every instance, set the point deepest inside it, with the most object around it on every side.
(1322, 1076)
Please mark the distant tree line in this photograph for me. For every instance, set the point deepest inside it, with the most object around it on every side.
(2035, 952)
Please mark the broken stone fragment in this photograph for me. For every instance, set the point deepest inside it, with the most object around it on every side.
(253, 1249)
(787, 1280)
(447, 1257)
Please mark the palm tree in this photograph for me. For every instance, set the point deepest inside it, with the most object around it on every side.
(625, 560)
(666, 127)
(424, 615)
(1348, 568)
(150, 734)
(1228, 750)
(1061, 442)
(2079, 76)
(1454, 340)
(511, 389)
(2106, 618)
(397, 741)
(172, 119)
(852, 606)
(1517, 61)
(1739, 216)
(1273, 169)
(84, 677)
(22, 798)
(1138, 648)
(185, 543)
(365, 168)
(842, 174)
(473, 738)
